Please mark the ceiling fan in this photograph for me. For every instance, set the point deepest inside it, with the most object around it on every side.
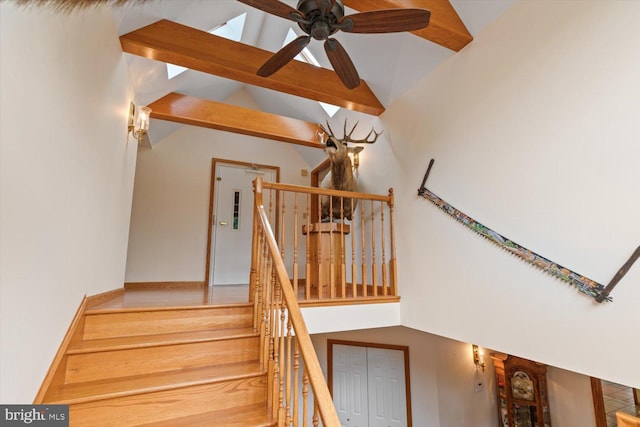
(320, 19)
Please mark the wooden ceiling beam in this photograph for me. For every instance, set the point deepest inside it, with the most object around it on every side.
(445, 26)
(178, 44)
(189, 110)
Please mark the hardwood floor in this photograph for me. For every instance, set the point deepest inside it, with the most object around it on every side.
(228, 294)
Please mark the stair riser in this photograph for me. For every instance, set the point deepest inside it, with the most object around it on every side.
(150, 407)
(138, 361)
(124, 324)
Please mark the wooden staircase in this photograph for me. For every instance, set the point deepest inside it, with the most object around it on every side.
(170, 366)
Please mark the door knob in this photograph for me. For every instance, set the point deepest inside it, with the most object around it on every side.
(223, 223)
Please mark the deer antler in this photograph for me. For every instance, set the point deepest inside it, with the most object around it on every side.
(330, 132)
(347, 136)
(365, 140)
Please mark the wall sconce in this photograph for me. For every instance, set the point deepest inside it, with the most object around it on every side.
(138, 126)
(478, 357)
(355, 156)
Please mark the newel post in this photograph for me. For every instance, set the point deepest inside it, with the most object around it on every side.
(393, 268)
(257, 201)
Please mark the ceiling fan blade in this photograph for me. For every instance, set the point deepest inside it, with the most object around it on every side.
(385, 21)
(283, 56)
(342, 64)
(274, 7)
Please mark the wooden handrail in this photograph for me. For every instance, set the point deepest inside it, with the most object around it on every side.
(321, 392)
(326, 192)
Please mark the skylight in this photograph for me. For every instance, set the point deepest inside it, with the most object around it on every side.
(331, 110)
(307, 56)
(232, 30)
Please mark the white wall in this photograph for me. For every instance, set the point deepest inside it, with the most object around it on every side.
(66, 168)
(169, 222)
(534, 130)
(339, 318)
(570, 399)
(443, 376)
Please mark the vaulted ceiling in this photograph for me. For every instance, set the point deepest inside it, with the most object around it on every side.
(159, 32)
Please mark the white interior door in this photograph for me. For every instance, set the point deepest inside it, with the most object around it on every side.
(233, 222)
(369, 386)
(350, 385)
(387, 393)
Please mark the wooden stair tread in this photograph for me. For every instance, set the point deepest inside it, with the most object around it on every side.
(139, 341)
(242, 416)
(126, 386)
(152, 307)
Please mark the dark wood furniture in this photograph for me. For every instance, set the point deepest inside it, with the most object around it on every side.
(522, 392)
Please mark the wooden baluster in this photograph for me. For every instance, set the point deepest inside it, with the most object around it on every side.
(343, 267)
(269, 337)
(354, 275)
(319, 251)
(392, 263)
(332, 264)
(257, 201)
(296, 379)
(266, 290)
(289, 371)
(259, 314)
(255, 278)
(316, 418)
(295, 244)
(363, 266)
(384, 260)
(269, 287)
(275, 380)
(282, 226)
(305, 398)
(254, 285)
(374, 281)
(282, 354)
(270, 211)
(307, 280)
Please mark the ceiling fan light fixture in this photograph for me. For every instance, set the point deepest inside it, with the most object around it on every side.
(320, 30)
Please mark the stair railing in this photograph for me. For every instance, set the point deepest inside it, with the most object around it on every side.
(343, 254)
(284, 337)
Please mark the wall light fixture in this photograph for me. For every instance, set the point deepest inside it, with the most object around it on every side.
(138, 126)
(478, 357)
(355, 156)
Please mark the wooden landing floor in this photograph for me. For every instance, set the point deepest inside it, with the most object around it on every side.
(175, 297)
(227, 294)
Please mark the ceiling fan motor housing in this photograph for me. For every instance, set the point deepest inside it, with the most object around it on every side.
(317, 25)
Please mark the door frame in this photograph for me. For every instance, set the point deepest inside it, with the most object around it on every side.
(407, 371)
(214, 163)
(317, 175)
(598, 401)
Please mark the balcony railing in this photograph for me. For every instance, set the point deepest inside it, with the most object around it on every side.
(333, 260)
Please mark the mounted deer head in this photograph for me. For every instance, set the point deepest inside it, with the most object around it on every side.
(341, 175)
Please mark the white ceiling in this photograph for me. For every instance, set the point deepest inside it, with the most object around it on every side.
(390, 63)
